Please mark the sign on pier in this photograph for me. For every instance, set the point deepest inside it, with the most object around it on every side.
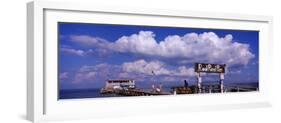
(209, 68)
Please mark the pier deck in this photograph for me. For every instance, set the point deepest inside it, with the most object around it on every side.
(135, 92)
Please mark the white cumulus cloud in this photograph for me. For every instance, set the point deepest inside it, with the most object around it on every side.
(71, 51)
(189, 48)
(95, 73)
(159, 68)
(76, 52)
(141, 66)
(85, 76)
(192, 47)
(89, 41)
(143, 43)
(63, 75)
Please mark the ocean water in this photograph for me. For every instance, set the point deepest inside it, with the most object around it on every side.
(95, 92)
(88, 93)
(81, 93)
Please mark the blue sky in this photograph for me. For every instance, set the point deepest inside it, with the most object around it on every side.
(89, 54)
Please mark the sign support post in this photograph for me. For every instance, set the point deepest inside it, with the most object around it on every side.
(199, 84)
(221, 82)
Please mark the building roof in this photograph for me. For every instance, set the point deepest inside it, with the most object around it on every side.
(120, 81)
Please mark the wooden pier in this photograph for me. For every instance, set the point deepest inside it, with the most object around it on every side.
(134, 92)
(176, 91)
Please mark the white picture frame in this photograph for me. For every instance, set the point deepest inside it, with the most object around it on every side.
(42, 103)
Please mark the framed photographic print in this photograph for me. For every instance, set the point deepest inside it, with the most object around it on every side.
(107, 60)
(97, 61)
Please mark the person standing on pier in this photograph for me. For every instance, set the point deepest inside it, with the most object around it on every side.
(185, 84)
